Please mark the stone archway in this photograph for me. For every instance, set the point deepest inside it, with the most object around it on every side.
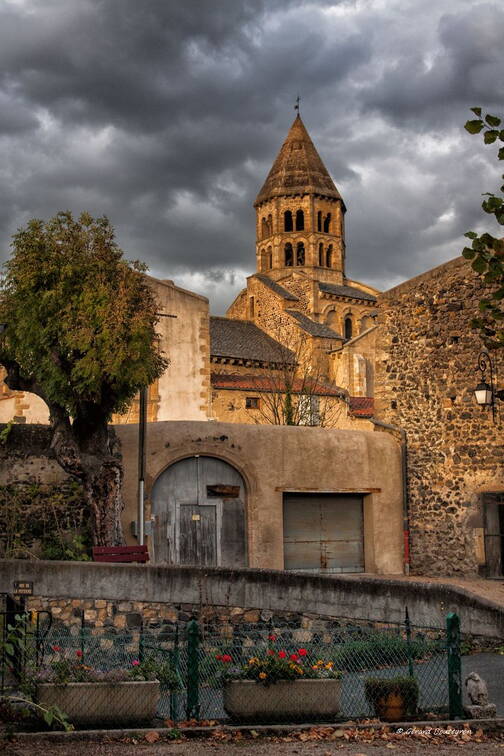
(198, 506)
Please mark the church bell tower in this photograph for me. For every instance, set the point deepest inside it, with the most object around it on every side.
(300, 215)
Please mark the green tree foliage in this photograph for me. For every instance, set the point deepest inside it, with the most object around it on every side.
(487, 251)
(80, 333)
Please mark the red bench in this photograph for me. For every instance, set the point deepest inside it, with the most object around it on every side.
(120, 554)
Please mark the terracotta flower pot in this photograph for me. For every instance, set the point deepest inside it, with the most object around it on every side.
(391, 708)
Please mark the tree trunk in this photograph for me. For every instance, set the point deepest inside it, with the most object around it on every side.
(89, 452)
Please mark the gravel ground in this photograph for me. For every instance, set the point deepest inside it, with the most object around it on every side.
(262, 746)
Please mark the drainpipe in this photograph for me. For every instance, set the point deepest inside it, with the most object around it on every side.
(404, 469)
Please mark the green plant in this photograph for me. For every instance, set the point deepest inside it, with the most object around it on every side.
(5, 432)
(377, 689)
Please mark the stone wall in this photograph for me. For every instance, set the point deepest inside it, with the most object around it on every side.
(162, 594)
(426, 372)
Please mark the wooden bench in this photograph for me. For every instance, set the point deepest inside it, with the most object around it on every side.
(120, 554)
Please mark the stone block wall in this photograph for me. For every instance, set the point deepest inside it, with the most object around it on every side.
(426, 372)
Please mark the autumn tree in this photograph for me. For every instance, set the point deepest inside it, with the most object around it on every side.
(487, 251)
(79, 332)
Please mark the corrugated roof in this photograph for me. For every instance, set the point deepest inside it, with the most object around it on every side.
(362, 406)
(298, 169)
(346, 291)
(270, 383)
(274, 286)
(312, 327)
(242, 339)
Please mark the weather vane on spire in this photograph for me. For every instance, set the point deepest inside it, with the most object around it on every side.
(296, 106)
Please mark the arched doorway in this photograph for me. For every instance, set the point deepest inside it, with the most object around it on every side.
(199, 510)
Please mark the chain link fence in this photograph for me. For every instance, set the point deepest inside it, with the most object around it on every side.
(346, 671)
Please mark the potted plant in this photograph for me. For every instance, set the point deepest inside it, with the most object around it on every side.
(88, 695)
(278, 685)
(392, 698)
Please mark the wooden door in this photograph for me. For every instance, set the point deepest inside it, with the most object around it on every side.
(494, 533)
(323, 533)
(199, 510)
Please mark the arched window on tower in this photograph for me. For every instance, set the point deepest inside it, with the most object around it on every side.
(329, 256)
(321, 254)
(262, 260)
(270, 224)
(300, 254)
(270, 258)
(288, 255)
(319, 220)
(327, 223)
(287, 220)
(348, 327)
(299, 220)
(264, 228)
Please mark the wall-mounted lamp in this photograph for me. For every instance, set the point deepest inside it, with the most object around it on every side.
(486, 393)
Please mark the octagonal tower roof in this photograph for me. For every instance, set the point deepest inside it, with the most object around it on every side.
(298, 169)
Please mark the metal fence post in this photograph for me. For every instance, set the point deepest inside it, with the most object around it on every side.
(454, 666)
(408, 642)
(174, 657)
(192, 709)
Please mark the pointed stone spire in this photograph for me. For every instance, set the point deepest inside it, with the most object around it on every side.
(298, 169)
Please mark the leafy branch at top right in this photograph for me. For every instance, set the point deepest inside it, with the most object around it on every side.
(487, 251)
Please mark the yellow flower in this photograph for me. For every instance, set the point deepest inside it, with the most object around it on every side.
(315, 666)
(253, 660)
(263, 675)
(329, 665)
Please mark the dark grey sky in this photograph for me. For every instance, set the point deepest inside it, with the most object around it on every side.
(167, 114)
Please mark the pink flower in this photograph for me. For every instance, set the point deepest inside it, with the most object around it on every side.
(219, 657)
(56, 648)
(282, 654)
(226, 658)
(79, 654)
(302, 651)
(135, 663)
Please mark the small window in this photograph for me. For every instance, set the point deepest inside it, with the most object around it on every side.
(264, 228)
(270, 259)
(319, 220)
(321, 254)
(329, 256)
(287, 220)
(289, 260)
(270, 224)
(299, 220)
(300, 254)
(251, 308)
(327, 223)
(252, 402)
(348, 328)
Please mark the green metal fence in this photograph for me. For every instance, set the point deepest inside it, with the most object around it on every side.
(191, 670)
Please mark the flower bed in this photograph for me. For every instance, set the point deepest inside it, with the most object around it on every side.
(279, 686)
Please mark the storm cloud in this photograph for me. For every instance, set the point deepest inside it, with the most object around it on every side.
(167, 115)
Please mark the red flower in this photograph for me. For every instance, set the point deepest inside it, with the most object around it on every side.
(272, 637)
(271, 652)
(302, 651)
(294, 657)
(282, 654)
(226, 658)
(56, 648)
(219, 657)
(78, 653)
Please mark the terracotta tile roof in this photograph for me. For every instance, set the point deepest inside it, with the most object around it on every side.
(312, 327)
(297, 169)
(241, 339)
(274, 286)
(362, 406)
(263, 383)
(346, 291)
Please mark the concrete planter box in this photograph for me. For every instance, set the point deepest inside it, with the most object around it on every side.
(305, 700)
(114, 703)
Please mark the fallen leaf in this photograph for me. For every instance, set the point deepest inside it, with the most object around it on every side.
(152, 737)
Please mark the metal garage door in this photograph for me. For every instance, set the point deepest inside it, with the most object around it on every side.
(323, 533)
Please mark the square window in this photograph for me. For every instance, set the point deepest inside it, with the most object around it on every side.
(252, 402)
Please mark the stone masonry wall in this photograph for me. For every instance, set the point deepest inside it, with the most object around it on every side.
(426, 372)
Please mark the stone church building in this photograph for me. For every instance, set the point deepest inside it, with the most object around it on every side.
(392, 467)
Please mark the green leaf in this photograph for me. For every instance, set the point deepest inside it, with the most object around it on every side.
(490, 136)
(9, 649)
(474, 127)
(468, 253)
(499, 294)
(48, 717)
(471, 235)
(500, 154)
(492, 120)
(479, 265)
(476, 111)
